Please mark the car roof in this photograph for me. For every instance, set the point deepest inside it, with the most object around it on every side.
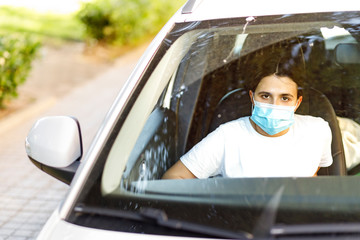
(197, 10)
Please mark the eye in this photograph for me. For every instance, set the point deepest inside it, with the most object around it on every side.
(286, 99)
(264, 96)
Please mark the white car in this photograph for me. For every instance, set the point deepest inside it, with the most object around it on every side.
(188, 82)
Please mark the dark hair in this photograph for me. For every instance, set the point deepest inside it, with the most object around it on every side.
(283, 61)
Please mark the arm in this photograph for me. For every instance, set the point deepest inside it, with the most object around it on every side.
(178, 171)
(204, 159)
(315, 175)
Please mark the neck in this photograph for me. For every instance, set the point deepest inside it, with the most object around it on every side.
(262, 132)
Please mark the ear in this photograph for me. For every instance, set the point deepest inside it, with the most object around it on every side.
(298, 103)
(251, 94)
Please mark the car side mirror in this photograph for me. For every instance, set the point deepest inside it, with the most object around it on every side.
(54, 145)
(347, 53)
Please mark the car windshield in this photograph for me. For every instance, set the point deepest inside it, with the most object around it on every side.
(197, 81)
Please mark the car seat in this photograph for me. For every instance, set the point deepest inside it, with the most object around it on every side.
(236, 104)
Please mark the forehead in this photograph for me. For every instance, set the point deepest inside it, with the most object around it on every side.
(276, 84)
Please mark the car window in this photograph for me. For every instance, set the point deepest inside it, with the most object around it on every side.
(198, 83)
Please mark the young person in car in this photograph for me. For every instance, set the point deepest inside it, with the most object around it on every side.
(272, 142)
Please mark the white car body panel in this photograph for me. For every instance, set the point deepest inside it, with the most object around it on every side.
(56, 227)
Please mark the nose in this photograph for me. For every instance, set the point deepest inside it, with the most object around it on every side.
(276, 101)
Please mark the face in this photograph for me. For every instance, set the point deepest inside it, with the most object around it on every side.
(277, 90)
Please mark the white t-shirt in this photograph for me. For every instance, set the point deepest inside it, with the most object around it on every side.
(235, 149)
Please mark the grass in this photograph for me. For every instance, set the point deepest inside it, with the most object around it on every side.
(65, 27)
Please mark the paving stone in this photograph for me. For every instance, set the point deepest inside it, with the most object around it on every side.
(31, 227)
(22, 233)
(6, 231)
(16, 238)
(12, 225)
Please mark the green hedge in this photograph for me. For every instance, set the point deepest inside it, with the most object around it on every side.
(124, 22)
(17, 52)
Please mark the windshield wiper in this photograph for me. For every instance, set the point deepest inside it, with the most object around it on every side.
(160, 218)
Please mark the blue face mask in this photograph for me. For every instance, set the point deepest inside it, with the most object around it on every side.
(272, 118)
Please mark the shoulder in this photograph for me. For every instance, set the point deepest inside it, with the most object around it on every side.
(240, 123)
(307, 119)
(311, 123)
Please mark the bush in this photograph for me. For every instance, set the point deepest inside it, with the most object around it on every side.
(124, 22)
(16, 55)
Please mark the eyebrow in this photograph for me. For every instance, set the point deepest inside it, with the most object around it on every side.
(282, 94)
(287, 95)
(263, 92)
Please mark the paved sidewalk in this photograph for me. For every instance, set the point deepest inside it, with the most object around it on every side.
(27, 195)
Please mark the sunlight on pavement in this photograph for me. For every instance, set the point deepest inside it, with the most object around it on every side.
(53, 6)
